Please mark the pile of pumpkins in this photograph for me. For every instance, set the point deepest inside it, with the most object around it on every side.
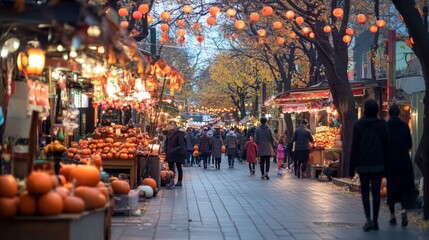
(148, 188)
(54, 147)
(166, 177)
(51, 195)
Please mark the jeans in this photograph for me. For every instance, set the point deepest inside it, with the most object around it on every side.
(179, 169)
(265, 165)
(217, 163)
(371, 182)
(231, 160)
(252, 167)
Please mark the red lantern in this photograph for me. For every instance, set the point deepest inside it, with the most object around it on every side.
(200, 38)
(338, 12)
(361, 18)
(149, 19)
(267, 11)
(292, 35)
(261, 42)
(164, 27)
(327, 29)
(187, 9)
(234, 36)
(290, 15)
(196, 26)
(164, 35)
(299, 20)
(32, 61)
(254, 16)
(281, 40)
(123, 12)
(240, 24)
(124, 24)
(144, 8)
(262, 32)
(277, 25)
(231, 12)
(181, 40)
(306, 30)
(347, 38)
(162, 40)
(180, 22)
(373, 29)
(214, 11)
(137, 15)
(312, 35)
(181, 32)
(211, 21)
(350, 31)
(380, 23)
(165, 15)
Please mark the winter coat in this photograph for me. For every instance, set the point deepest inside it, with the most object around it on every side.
(265, 140)
(190, 141)
(204, 144)
(280, 151)
(251, 151)
(217, 143)
(400, 176)
(231, 143)
(302, 138)
(369, 146)
(175, 148)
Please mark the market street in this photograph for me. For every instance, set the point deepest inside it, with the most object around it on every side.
(231, 204)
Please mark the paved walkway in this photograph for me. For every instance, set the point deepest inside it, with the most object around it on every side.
(231, 204)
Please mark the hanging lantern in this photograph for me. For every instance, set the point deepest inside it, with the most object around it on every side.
(234, 36)
(123, 12)
(165, 16)
(261, 41)
(312, 35)
(373, 29)
(350, 31)
(196, 26)
(124, 24)
(277, 25)
(214, 11)
(361, 18)
(306, 30)
(144, 8)
(289, 15)
(164, 35)
(380, 23)
(231, 12)
(181, 32)
(181, 40)
(267, 11)
(137, 15)
(292, 35)
(262, 32)
(347, 38)
(180, 22)
(240, 24)
(299, 20)
(211, 21)
(254, 16)
(164, 27)
(149, 19)
(281, 40)
(338, 12)
(327, 29)
(162, 40)
(200, 38)
(32, 61)
(412, 40)
(187, 9)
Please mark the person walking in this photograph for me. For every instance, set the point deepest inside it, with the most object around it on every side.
(368, 157)
(302, 138)
(280, 154)
(217, 143)
(231, 147)
(190, 142)
(204, 148)
(251, 150)
(242, 141)
(400, 176)
(265, 141)
(175, 150)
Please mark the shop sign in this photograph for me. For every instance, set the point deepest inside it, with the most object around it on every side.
(38, 95)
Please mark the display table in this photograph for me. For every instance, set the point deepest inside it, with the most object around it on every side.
(149, 166)
(129, 164)
(85, 226)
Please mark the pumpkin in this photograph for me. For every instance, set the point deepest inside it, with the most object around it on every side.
(103, 155)
(117, 144)
(106, 149)
(109, 155)
(8, 186)
(89, 195)
(85, 175)
(132, 139)
(63, 192)
(96, 161)
(50, 204)
(123, 156)
(8, 207)
(150, 182)
(101, 200)
(110, 140)
(131, 150)
(74, 145)
(112, 179)
(73, 205)
(120, 187)
(195, 153)
(27, 204)
(130, 156)
(223, 149)
(39, 183)
(196, 147)
(105, 191)
(70, 155)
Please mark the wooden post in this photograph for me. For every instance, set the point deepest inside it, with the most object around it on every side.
(33, 141)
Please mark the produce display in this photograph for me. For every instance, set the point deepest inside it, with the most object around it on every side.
(326, 137)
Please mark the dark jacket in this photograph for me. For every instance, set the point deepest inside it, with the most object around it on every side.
(231, 143)
(302, 138)
(216, 143)
(369, 146)
(190, 141)
(204, 144)
(265, 140)
(175, 148)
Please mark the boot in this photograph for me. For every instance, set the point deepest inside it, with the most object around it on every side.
(170, 185)
(178, 184)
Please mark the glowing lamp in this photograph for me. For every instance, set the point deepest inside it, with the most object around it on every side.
(254, 16)
(200, 38)
(143, 8)
(312, 35)
(281, 40)
(327, 29)
(137, 15)
(277, 25)
(234, 36)
(347, 38)
(124, 24)
(32, 61)
(181, 32)
(361, 18)
(306, 30)
(231, 12)
(267, 11)
(290, 15)
(164, 27)
(149, 19)
(338, 12)
(299, 20)
(350, 31)
(373, 29)
(123, 12)
(240, 24)
(380, 23)
(165, 15)
(187, 9)
(214, 11)
(181, 40)
(211, 21)
(262, 32)
(180, 22)
(261, 42)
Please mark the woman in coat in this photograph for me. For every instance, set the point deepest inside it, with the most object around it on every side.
(265, 141)
(175, 152)
(251, 150)
(231, 147)
(204, 147)
(302, 138)
(400, 176)
(217, 143)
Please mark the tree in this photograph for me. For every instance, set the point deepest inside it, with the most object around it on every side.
(418, 31)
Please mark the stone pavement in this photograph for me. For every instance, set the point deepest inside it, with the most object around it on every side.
(231, 204)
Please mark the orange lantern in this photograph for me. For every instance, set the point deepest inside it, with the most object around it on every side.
(196, 26)
(32, 61)
(137, 15)
(164, 35)
(299, 20)
(231, 12)
(162, 40)
(267, 11)
(214, 11)
(380, 23)
(338, 12)
(277, 25)
(254, 16)
(347, 38)
(181, 32)
(261, 42)
(165, 15)
(187, 9)
(144, 8)
(149, 19)
(292, 35)
(373, 29)
(123, 12)
(240, 24)
(181, 40)
(361, 18)
(281, 40)
(200, 38)
(164, 27)
(312, 35)
(211, 21)
(327, 29)
(124, 24)
(350, 31)
(290, 15)
(234, 36)
(306, 30)
(411, 40)
(262, 32)
(180, 22)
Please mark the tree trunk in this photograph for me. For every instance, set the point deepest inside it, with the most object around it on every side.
(374, 47)
(289, 126)
(242, 106)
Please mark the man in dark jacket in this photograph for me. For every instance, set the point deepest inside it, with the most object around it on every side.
(302, 138)
(175, 152)
(265, 141)
(368, 156)
(204, 147)
(190, 142)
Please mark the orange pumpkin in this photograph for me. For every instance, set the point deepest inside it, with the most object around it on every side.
(120, 187)
(123, 156)
(130, 156)
(27, 204)
(89, 195)
(105, 191)
(39, 183)
(112, 179)
(8, 186)
(150, 182)
(73, 205)
(50, 204)
(101, 200)
(110, 140)
(8, 207)
(70, 155)
(85, 175)
(196, 147)
(63, 192)
(223, 149)
(117, 144)
(109, 155)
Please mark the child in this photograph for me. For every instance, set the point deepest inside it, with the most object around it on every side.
(251, 149)
(280, 157)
